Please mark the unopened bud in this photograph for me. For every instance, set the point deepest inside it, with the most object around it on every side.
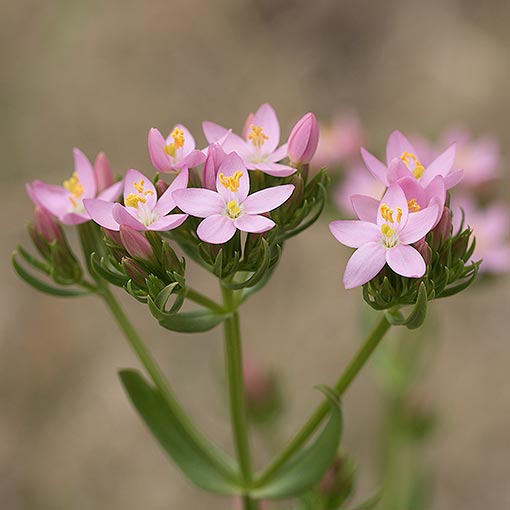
(103, 172)
(443, 229)
(136, 243)
(161, 187)
(215, 157)
(134, 271)
(169, 258)
(303, 140)
(113, 236)
(262, 397)
(47, 226)
(337, 483)
(424, 250)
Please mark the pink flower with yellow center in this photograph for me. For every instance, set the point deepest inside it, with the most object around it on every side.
(141, 210)
(230, 208)
(399, 148)
(66, 201)
(175, 152)
(388, 240)
(258, 147)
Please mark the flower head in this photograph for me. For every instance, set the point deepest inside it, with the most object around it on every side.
(387, 240)
(174, 153)
(258, 147)
(66, 201)
(230, 208)
(142, 210)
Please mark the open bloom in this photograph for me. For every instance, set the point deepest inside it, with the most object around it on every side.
(141, 210)
(400, 148)
(66, 201)
(258, 146)
(174, 153)
(388, 240)
(230, 208)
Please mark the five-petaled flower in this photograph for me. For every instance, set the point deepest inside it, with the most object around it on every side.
(66, 201)
(388, 240)
(258, 146)
(141, 210)
(176, 152)
(399, 148)
(230, 208)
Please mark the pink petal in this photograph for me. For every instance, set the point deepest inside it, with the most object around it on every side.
(394, 198)
(230, 142)
(216, 229)
(397, 170)
(168, 222)
(231, 164)
(133, 176)
(85, 173)
(189, 141)
(266, 117)
(376, 167)
(103, 172)
(406, 261)
(199, 202)
(278, 154)
(413, 190)
(212, 131)
(436, 189)
(166, 201)
(397, 145)
(453, 179)
(419, 224)
(73, 218)
(267, 199)
(159, 158)
(274, 169)
(355, 233)
(215, 157)
(440, 166)
(53, 198)
(254, 223)
(101, 211)
(364, 264)
(193, 159)
(124, 217)
(365, 207)
(112, 193)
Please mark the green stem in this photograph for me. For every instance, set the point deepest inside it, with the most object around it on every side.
(159, 379)
(199, 298)
(234, 363)
(345, 380)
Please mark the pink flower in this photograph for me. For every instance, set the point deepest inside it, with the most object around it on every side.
(230, 208)
(174, 153)
(141, 210)
(258, 146)
(66, 202)
(491, 227)
(388, 240)
(400, 149)
(303, 139)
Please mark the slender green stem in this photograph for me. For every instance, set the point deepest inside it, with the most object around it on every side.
(233, 358)
(159, 379)
(199, 298)
(345, 380)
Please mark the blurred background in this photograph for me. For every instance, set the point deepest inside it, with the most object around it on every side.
(98, 75)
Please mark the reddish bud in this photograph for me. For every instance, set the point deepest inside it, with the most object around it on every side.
(424, 250)
(136, 243)
(161, 187)
(113, 236)
(443, 230)
(134, 271)
(47, 226)
(303, 140)
(215, 157)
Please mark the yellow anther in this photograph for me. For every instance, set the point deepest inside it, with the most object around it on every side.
(233, 209)
(257, 136)
(386, 213)
(413, 205)
(231, 182)
(178, 135)
(139, 186)
(418, 169)
(73, 185)
(387, 230)
(133, 200)
(399, 214)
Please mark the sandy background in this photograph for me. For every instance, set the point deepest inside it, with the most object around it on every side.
(98, 75)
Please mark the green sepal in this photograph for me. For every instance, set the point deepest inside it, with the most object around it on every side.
(304, 469)
(417, 315)
(106, 270)
(213, 472)
(35, 263)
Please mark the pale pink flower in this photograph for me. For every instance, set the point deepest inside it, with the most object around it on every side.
(142, 210)
(230, 208)
(303, 139)
(66, 201)
(388, 240)
(175, 152)
(399, 148)
(491, 228)
(258, 147)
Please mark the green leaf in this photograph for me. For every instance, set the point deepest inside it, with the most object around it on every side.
(43, 286)
(302, 471)
(418, 314)
(213, 472)
(29, 259)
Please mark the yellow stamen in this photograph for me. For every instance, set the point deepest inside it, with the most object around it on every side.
(413, 205)
(139, 186)
(387, 230)
(231, 182)
(257, 136)
(73, 185)
(418, 167)
(178, 135)
(233, 209)
(133, 200)
(386, 213)
(399, 214)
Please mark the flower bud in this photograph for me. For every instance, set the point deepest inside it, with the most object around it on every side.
(443, 229)
(215, 157)
(169, 258)
(337, 483)
(303, 140)
(47, 226)
(424, 250)
(161, 187)
(113, 236)
(103, 172)
(134, 271)
(136, 243)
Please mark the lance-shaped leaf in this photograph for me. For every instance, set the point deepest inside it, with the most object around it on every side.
(208, 468)
(307, 466)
